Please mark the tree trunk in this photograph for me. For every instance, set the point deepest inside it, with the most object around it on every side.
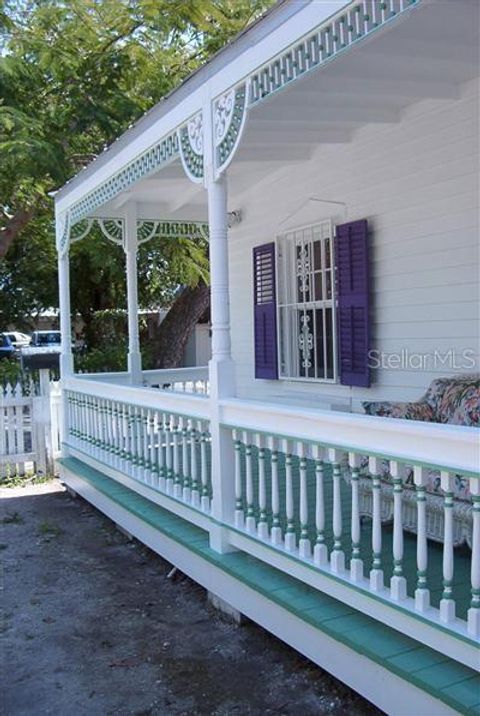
(176, 327)
(13, 227)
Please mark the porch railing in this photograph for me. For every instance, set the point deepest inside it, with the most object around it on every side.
(183, 380)
(325, 496)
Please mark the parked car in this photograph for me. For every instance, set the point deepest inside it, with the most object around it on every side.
(7, 349)
(46, 338)
(18, 339)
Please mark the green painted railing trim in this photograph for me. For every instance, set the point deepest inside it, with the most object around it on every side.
(312, 567)
(343, 448)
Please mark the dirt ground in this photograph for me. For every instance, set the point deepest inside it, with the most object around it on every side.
(92, 625)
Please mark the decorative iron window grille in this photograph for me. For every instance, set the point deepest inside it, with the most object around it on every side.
(306, 303)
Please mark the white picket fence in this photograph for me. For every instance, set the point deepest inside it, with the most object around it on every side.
(29, 427)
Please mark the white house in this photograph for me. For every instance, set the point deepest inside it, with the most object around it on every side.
(331, 154)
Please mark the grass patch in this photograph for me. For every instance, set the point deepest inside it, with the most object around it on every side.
(24, 480)
(46, 529)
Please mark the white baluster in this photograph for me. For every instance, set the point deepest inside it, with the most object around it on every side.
(422, 593)
(239, 514)
(193, 462)
(474, 611)
(250, 524)
(447, 603)
(376, 573)
(162, 453)
(356, 563)
(204, 468)
(290, 537)
(169, 453)
(177, 483)
(153, 447)
(304, 545)
(276, 531)
(337, 557)
(262, 489)
(398, 583)
(186, 491)
(320, 552)
(145, 425)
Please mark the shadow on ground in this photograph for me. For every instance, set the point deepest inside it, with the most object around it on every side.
(93, 626)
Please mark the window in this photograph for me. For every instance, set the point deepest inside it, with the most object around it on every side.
(306, 303)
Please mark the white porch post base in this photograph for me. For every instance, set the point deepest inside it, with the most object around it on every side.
(276, 535)
(135, 368)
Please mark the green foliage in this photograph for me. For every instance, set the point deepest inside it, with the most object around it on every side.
(73, 76)
(10, 372)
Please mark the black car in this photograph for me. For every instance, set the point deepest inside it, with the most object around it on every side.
(7, 349)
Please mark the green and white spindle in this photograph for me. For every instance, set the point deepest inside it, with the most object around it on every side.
(162, 454)
(422, 593)
(144, 423)
(168, 425)
(135, 442)
(473, 616)
(186, 492)
(376, 573)
(356, 563)
(276, 531)
(304, 545)
(398, 583)
(195, 497)
(124, 436)
(153, 447)
(447, 603)
(320, 552)
(337, 557)
(262, 526)
(239, 513)
(204, 467)
(177, 481)
(290, 536)
(250, 524)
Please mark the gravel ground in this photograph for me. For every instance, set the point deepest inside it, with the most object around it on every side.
(92, 625)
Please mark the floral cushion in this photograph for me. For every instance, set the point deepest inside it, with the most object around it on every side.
(455, 401)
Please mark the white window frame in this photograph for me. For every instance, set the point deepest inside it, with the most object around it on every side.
(288, 368)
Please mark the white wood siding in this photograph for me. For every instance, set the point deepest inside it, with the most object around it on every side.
(417, 184)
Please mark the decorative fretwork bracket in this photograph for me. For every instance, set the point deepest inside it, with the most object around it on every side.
(114, 230)
(190, 139)
(229, 115)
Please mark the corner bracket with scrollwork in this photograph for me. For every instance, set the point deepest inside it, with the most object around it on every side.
(190, 140)
(229, 115)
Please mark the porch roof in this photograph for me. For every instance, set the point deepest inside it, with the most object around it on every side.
(310, 74)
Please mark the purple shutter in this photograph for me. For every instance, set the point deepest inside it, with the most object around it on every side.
(352, 268)
(265, 311)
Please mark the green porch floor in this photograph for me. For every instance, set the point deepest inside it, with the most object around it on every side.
(445, 679)
(461, 580)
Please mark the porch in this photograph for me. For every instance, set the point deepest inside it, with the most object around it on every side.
(258, 476)
(286, 513)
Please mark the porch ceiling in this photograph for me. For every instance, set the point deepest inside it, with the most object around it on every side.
(427, 54)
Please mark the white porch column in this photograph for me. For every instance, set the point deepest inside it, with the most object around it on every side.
(66, 358)
(131, 248)
(221, 369)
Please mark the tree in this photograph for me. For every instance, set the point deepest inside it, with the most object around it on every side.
(74, 74)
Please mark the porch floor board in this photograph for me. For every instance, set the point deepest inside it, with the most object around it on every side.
(443, 678)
